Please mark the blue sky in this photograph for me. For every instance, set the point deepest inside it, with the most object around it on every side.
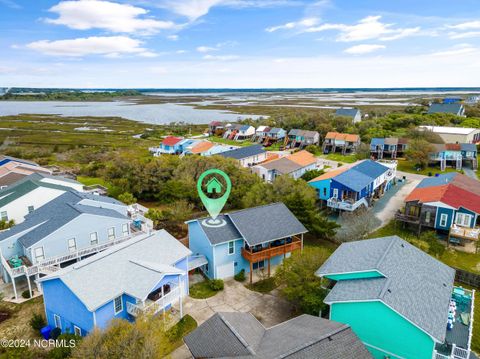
(239, 43)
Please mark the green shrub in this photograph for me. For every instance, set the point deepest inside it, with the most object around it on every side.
(64, 352)
(26, 294)
(55, 333)
(37, 322)
(216, 284)
(240, 276)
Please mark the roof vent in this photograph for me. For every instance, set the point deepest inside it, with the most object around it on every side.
(389, 291)
(444, 285)
(402, 245)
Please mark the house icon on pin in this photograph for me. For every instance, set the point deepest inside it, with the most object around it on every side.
(214, 186)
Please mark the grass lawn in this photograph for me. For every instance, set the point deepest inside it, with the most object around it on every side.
(181, 329)
(89, 181)
(408, 166)
(229, 142)
(202, 290)
(18, 326)
(263, 286)
(340, 158)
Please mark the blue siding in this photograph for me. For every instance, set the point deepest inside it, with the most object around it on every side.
(323, 188)
(199, 244)
(106, 312)
(463, 210)
(222, 257)
(60, 300)
(449, 213)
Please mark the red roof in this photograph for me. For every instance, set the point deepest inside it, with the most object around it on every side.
(171, 140)
(460, 192)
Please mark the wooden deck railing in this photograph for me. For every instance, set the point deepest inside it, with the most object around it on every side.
(267, 253)
(472, 234)
(406, 218)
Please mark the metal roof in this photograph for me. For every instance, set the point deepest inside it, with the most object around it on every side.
(241, 335)
(243, 152)
(133, 267)
(347, 112)
(415, 285)
(453, 108)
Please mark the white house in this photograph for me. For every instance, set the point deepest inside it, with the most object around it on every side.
(293, 165)
(31, 193)
(247, 156)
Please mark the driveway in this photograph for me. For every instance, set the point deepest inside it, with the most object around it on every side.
(269, 309)
(470, 173)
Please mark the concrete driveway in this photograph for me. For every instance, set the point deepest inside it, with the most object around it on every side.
(269, 309)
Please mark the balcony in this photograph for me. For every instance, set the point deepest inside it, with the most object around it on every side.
(399, 216)
(471, 234)
(346, 204)
(153, 307)
(254, 256)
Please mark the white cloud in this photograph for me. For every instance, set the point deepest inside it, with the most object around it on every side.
(302, 24)
(204, 49)
(220, 57)
(367, 28)
(470, 25)
(194, 9)
(111, 46)
(463, 35)
(363, 49)
(106, 15)
(173, 37)
(460, 49)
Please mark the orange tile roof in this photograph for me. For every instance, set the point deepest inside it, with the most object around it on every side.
(331, 174)
(202, 147)
(342, 136)
(303, 158)
(352, 138)
(427, 194)
(331, 135)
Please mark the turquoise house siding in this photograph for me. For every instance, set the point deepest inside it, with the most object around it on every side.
(61, 301)
(199, 244)
(357, 275)
(323, 188)
(383, 331)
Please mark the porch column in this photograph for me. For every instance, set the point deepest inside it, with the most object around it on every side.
(163, 303)
(301, 243)
(29, 286)
(269, 246)
(251, 272)
(14, 288)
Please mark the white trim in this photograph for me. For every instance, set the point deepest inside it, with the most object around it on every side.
(439, 204)
(465, 216)
(442, 216)
(55, 316)
(35, 253)
(383, 350)
(228, 248)
(74, 245)
(127, 232)
(115, 312)
(108, 234)
(351, 272)
(94, 319)
(75, 329)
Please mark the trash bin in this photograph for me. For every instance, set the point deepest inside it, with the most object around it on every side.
(45, 331)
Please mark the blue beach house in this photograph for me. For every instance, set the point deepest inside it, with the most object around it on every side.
(146, 274)
(357, 185)
(251, 239)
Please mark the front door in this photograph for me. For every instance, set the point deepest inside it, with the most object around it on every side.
(335, 193)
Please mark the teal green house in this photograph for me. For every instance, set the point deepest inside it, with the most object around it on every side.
(397, 299)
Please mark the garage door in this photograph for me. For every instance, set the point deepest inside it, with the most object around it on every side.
(225, 271)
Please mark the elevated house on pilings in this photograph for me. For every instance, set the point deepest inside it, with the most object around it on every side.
(340, 142)
(251, 239)
(454, 155)
(450, 204)
(390, 147)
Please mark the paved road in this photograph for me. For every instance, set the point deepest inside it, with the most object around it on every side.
(470, 173)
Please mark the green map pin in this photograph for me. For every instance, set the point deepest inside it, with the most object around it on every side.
(214, 185)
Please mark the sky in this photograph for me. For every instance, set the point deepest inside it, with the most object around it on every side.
(239, 43)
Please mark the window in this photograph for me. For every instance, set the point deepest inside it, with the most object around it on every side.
(428, 215)
(31, 209)
(4, 216)
(258, 265)
(231, 247)
(335, 193)
(463, 219)
(125, 231)
(72, 245)
(443, 220)
(77, 331)
(324, 192)
(111, 233)
(58, 321)
(117, 305)
(39, 255)
(93, 238)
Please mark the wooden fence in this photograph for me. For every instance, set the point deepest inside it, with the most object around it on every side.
(468, 278)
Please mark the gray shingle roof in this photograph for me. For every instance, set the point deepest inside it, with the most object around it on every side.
(346, 112)
(266, 223)
(243, 152)
(453, 108)
(222, 234)
(282, 165)
(53, 215)
(416, 285)
(240, 335)
(133, 267)
(256, 225)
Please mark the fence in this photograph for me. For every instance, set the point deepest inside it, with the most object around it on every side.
(468, 278)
